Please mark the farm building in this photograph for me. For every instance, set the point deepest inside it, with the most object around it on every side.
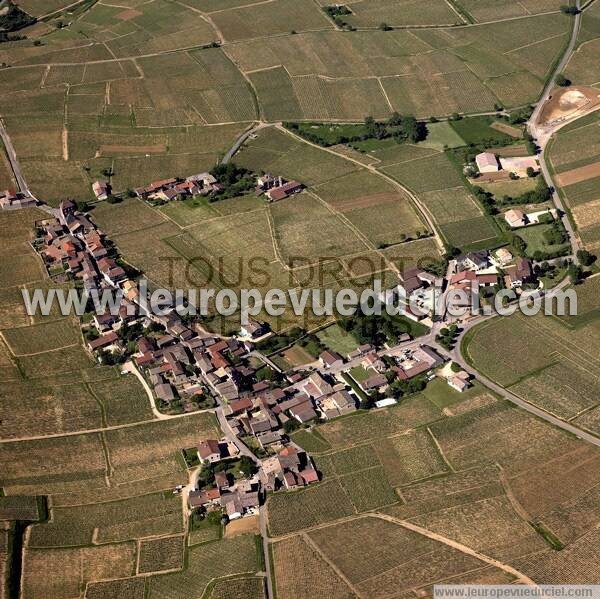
(487, 162)
(283, 191)
(101, 189)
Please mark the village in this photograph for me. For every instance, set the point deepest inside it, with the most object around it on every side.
(187, 368)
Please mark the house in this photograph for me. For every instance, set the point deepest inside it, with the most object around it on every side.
(66, 209)
(503, 257)
(164, 392)
(222, 480)
(373, 361)
(511, 281)
(101, 189)
(104, 341)
(375, 381)
(303, 412)
(232, 506)
(209, 451)
(203, 498)
(475, 260)
(253, 329)
(515, 218)
(487, 163)
(417, 361)
(459, 381)
(524, 269)
(331, 359)
(337, 404)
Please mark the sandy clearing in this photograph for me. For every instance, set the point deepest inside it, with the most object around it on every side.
(577, 175)
(242, 526)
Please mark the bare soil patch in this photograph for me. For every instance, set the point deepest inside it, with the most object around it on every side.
(128, 14)
(508, 129)
(510, 151)
(242, 526)
(577, 175)
(569, 103)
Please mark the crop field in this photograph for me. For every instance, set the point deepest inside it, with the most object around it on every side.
(126, 588)
(490, 10)
(554, 366)
(298, 566)
(362, 427)
(511, 439)
(157, 555)
(507, 535)
(19, 508)
(239, 588)
(41, 407)
(289, 512)
(205, 563)
(403, 13)
(68, 570)
(41, 338)
(373, 554)
(461, 220)
(573, 153)
(110, 522)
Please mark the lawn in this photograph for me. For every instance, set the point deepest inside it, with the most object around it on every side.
(360, 373)
(533, 236)
(338, 340)
(477, 130)
(441, 136)
(442, 395)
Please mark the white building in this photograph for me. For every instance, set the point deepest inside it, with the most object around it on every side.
(487, 163)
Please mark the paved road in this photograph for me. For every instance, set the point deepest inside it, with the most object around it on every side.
(12, 158)
(265, 537)
(232, 437)
(543, 135)
(240, 141)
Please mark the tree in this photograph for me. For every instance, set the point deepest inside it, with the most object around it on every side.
(247, 466)
(395, 120)
(569, 10)
(575, 273)
(586, 258)
(530, 172)
(562, 81)
(385, 27)
(111, 199)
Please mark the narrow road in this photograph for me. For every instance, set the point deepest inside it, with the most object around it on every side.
(232, 437)
(521, 578)
(456, 356)
(131, 368)
(542, 137)
(265, 537)
(12, 158)
(240, 141)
